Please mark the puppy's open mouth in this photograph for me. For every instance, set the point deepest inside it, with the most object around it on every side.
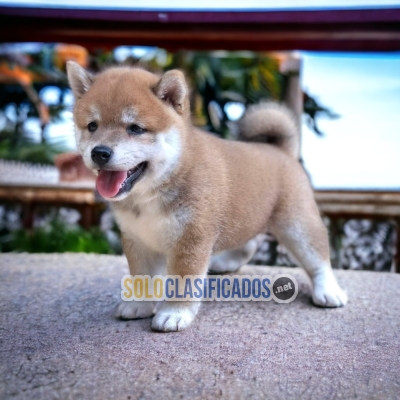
(113, 183)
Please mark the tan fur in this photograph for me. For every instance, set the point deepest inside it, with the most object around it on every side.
(213, 195)
(271, 123)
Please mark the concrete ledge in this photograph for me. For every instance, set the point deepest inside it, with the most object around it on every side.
(59, 339)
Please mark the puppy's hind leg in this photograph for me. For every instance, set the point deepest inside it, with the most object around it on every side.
(305, 236)
(232, 260)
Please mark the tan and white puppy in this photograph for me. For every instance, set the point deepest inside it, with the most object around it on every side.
(187, 201)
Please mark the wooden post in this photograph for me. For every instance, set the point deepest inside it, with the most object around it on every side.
(293, 96)
(397, 256)
(27, 215)
(86, 220)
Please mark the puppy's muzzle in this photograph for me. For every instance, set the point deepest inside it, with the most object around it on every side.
(101, 155)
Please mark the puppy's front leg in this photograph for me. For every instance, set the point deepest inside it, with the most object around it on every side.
(186, 259)
(142, 261)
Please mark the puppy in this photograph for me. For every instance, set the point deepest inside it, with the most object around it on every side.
(187, 201)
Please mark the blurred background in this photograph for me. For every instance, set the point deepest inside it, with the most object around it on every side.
(335, 63)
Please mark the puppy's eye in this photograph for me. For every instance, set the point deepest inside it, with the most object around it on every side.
(92, 126)
(135, 130)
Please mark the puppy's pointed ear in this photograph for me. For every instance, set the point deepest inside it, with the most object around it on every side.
(79, 79)
(172, 88)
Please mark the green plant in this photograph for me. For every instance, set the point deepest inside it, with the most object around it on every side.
(26, 150)
(313, 110)
(223, 77)
(56, 237)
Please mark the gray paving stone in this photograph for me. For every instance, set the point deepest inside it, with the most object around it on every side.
(59, 339)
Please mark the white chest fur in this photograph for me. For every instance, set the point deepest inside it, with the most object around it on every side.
(155, 227)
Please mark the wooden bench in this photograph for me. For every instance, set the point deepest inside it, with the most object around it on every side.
(335, 204)
(349, 204)
(83, 198)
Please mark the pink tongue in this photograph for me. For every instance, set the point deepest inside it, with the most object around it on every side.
(108, 183)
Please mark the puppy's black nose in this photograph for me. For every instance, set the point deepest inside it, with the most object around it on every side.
(101, 155)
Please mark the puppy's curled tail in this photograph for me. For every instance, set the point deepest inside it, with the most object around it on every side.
(273, 124)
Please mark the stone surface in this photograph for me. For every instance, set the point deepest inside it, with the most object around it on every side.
(59, 339)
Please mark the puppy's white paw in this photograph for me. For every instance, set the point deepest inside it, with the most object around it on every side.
(174, 317)
(135, 309)
(327, 292)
